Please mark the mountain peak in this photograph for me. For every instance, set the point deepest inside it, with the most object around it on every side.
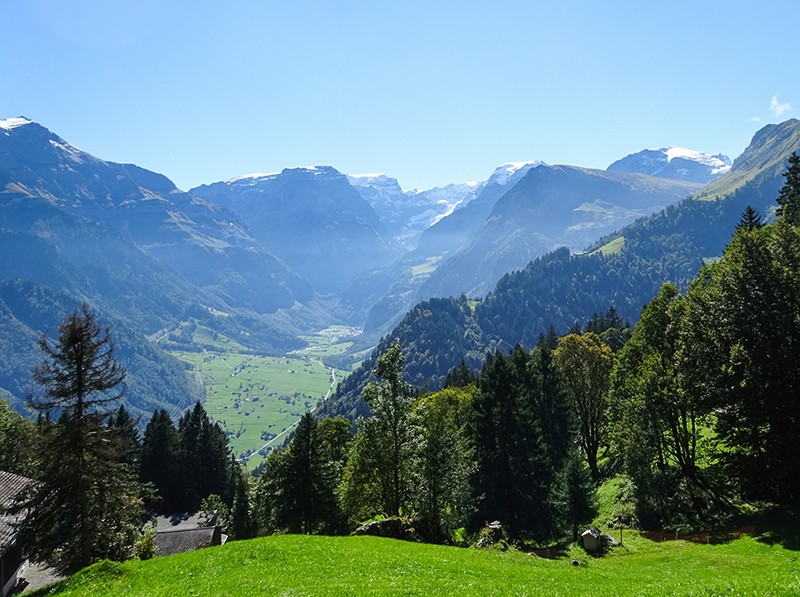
(676, 163)
(13, 123)
(512, 170)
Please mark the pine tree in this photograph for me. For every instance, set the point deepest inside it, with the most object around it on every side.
(789, 196)
(514, 472)
(88, 502)
(578, 493)
(297, 487)
(242, 523)
(124, 427)
(749, 220)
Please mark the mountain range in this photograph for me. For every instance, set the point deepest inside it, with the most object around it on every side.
(264, 259)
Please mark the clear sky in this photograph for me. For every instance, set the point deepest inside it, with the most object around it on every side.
(429, 92)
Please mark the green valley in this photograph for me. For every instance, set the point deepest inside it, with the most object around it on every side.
(257, 398)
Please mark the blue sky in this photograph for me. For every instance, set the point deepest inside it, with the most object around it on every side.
(428, 92)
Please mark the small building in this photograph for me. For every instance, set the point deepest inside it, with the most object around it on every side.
(593, 539)
(187, 531)
(12, 561)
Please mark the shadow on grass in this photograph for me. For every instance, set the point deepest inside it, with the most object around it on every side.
(771, 526)
(780, 526)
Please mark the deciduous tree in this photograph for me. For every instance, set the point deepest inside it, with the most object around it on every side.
(585, 364)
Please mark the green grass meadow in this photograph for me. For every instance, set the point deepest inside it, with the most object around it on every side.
(257, 398)
(314, 565)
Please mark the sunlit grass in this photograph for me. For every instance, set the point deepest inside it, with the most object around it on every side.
(310, 565)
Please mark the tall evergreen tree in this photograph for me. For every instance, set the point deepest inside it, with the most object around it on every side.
(159, 461)
(88, 503)
(204, 457)
(297, 488)
(514, 475)
(789, 196)
(743, 338)
(578, 493)
(750, 219)
(125, 430)
(242, 520)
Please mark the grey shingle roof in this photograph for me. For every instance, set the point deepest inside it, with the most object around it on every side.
(10, 486)
(172, 542)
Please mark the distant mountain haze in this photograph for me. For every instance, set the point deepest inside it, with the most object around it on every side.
(313, 219)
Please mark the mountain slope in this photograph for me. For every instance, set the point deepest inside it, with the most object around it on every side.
(203, 243)
(551, 206)
(407, 214)
(449, 233)
(143, 254)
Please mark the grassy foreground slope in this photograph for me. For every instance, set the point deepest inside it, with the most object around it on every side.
(313, 565)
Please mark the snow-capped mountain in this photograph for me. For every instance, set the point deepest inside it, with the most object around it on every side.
(407, 213)
(675, 163)
(510, 172)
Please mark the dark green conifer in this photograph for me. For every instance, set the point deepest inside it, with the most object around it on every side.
(750, 219)
(789, 196)
(88, 503)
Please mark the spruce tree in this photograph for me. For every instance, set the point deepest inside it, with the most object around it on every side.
(159, 461)
(749, 220)
(514, 472)
(88, 501)
(297, 486)
(789, 196)
(204, 457)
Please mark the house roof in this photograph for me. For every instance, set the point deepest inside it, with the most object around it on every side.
(186, 531)
(10, 486)
(172, 542)
(185, 521)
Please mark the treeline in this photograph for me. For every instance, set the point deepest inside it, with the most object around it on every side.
(500, 444)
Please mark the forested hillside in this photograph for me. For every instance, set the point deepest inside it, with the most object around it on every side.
(623, 270)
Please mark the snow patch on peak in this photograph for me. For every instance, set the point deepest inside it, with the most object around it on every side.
(376, 180)
(252, 178)
(12, 123)
(368, 177)
(674, 163)
(716, 161)
(504, 172)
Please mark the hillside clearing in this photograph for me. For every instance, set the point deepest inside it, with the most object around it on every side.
(313, 565)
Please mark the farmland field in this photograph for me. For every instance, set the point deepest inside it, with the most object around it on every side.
(257, 398)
